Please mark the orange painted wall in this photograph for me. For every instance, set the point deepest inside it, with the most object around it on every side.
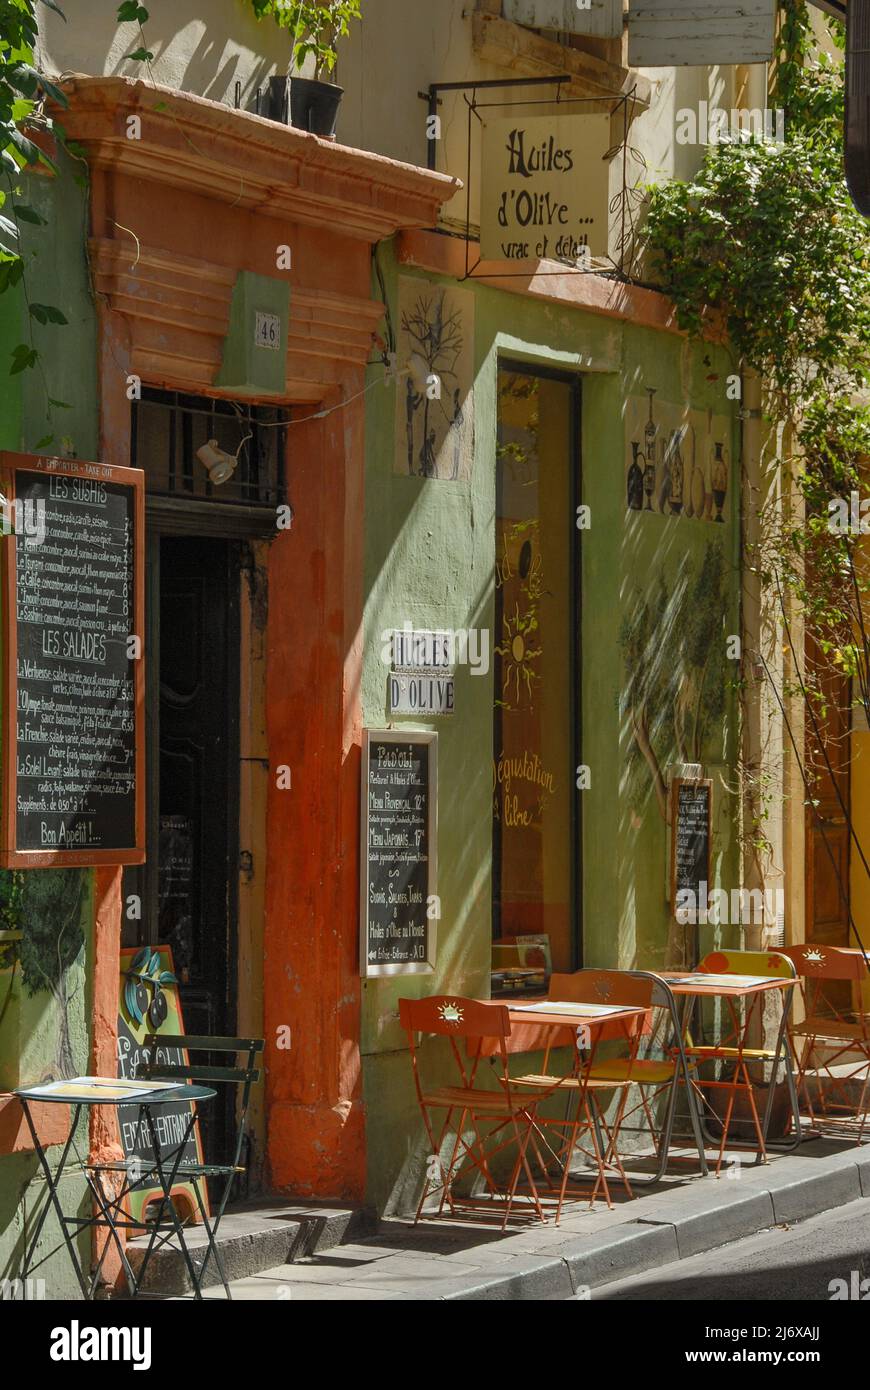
(315, 1130)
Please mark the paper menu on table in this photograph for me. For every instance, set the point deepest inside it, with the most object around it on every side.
(734, 981)
(555, 1006)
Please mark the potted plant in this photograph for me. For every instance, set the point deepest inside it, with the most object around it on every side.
(316, 27)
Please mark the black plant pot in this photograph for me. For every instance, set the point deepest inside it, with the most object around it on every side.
(314, 105)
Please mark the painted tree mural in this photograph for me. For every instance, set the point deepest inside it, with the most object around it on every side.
(52, 941)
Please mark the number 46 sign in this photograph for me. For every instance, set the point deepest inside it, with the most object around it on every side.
(267, 331)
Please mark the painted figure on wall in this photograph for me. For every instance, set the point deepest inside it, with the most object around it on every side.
(683, 462)
(434, 414)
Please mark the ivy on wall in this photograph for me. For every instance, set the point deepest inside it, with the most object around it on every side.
(767, 236)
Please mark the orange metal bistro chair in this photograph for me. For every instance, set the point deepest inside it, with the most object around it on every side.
(732, 1046)
(586, 1082)
(842, 1034)
(499, 1119)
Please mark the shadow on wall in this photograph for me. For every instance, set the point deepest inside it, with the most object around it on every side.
(676, 702)
(192, 54)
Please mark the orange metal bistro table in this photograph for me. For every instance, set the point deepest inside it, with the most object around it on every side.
(540, 1025)
(736, 1048)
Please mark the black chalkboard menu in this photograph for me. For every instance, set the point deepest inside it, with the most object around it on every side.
(399, 819)
(691, 808)
(73, 622)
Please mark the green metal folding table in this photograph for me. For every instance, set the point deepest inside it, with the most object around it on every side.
(110, 1213)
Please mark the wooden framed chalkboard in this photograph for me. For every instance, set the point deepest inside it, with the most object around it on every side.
(691, 827)
(399, 825)
(74, 684)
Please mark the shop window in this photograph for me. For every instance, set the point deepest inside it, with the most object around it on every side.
(536, 692)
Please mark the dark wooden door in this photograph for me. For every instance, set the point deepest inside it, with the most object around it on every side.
(197, 823)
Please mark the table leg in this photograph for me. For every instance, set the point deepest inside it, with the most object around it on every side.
(166, 1184)
(52, 1181)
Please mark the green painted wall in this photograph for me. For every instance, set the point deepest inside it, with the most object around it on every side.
(45, 1031)
(430, 548)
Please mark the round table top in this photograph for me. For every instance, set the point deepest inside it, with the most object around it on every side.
(67, 1095)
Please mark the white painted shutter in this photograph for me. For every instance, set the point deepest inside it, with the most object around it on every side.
(602, 19)
(677, 33)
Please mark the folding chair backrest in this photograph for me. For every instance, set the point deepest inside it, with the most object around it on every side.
(776, 964)
(451, 1016)
(244, 1076)
(826, 962)
(603, 987)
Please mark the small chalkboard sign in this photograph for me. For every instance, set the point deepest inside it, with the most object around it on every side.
(398, 852)
(73, 731)
(149, 1003)
(691, 821)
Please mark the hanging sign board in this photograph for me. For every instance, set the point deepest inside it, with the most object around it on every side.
(704, 33)
(421, 682)
(73, 719)
(691, 821)
(545, 188)
(399, 825)
(601, 19)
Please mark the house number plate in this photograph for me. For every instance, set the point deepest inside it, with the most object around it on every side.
(267, 331)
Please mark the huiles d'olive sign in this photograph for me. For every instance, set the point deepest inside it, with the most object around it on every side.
(73, 735)
(545, 188)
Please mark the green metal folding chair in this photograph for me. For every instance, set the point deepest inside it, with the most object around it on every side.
(189, 1170)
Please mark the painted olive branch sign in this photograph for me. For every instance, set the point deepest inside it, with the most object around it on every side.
(545, 188)
(73, 732)
(399, 827)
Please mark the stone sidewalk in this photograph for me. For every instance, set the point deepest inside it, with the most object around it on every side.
(684, 1215)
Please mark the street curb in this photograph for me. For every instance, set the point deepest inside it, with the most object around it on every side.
(668, 1234)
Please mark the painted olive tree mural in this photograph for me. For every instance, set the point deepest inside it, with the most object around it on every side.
(673, 641)
(52, 941)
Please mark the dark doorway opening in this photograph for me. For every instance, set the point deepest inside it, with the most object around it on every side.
(189, 884)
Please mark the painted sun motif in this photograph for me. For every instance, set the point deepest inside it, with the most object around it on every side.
(604, 989)
(450, 1013)
(518, 653)
(813, 957)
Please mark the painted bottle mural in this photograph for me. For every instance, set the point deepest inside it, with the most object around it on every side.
(719, 479)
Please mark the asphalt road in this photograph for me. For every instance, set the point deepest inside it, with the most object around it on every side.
(797, 1262)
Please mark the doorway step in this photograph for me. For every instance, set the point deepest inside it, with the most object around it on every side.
(253, 1237)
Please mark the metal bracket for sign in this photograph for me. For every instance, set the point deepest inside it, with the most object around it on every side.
(398, 737)
(625, 100)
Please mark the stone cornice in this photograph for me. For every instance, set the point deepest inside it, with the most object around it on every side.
(248, 162)
(178, 312)
(547, 280)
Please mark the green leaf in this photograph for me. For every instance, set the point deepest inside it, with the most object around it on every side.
(131, 12)
(23, 357)
(140, 55)
(61, 405)
(141, 958)
(28, 214)
(47, 313)
(50, 4)
(43, 443)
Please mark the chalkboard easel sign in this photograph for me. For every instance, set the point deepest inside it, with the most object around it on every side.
(72, 554)
(399, 831)
(691, 824)
(149, 1003)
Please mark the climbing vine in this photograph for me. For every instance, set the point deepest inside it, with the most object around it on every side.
(766, 238)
